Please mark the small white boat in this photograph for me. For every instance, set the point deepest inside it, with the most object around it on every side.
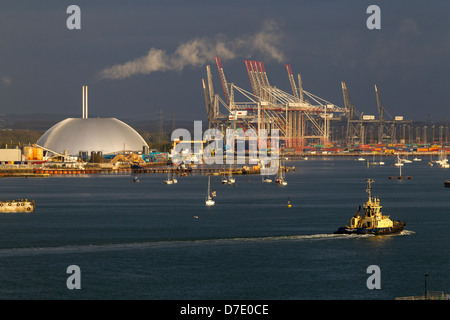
(377, 163)
(169, 180)
(172, 175)
(405, 160)
(266, 180)
(210, 196)
(444, 164)
(280, 176)
(417, 159)
(443, 161)
(281, 182)
(361, 159)
(399, 163)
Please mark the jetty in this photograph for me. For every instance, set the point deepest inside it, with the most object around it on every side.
(153, 168)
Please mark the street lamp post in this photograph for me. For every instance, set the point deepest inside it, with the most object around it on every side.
(426, 293)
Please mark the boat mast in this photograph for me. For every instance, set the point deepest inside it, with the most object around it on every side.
(369, 187)
(209, 178)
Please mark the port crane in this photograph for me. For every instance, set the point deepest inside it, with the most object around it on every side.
(268, 107)
(358, 123)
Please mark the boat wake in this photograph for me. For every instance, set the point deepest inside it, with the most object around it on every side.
(321, 236)
(28, 251)
(406, 233)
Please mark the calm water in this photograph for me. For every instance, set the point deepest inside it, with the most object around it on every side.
(153, 241)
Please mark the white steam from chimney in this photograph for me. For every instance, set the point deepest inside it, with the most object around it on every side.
(199, 51)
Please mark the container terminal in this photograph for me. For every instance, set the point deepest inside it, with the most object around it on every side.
(308, 127)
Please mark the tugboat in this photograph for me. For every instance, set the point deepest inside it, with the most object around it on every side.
(372, 221)
(17, 205)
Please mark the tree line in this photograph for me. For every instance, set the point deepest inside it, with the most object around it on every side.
(12, 138)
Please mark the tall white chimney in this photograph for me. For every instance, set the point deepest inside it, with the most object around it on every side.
(86, 111)
(85, 102)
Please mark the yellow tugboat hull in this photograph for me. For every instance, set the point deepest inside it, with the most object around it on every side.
(396, 228)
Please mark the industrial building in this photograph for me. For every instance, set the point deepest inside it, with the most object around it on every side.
(10, 155)
(80, 137)
(106, 135)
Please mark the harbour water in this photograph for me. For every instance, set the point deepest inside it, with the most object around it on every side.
(154, 241)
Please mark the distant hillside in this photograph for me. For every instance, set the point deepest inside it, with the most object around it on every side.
(36, 121)
(43, 122)
(10, 138)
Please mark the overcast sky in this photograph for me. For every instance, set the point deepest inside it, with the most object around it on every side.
(139, 56)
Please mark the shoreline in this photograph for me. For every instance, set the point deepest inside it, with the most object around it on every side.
(58, 169)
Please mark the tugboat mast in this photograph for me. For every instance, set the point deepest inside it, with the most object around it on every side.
(369, 187)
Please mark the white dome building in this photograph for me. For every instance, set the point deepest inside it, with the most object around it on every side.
(86, 135)
(106, 135)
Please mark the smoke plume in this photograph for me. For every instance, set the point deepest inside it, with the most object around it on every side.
(200, 51)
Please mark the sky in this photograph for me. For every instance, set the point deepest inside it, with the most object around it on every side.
(138, 57)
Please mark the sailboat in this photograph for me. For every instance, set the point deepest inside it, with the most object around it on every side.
(380, 163)
(224, 180)
(406, 160)
(266, 180)
(230, 179)
(280, 176)
(210, 197)
(399, 163)
(169, 180)
(443, 161)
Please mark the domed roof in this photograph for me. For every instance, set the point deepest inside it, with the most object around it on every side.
(108, 135)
